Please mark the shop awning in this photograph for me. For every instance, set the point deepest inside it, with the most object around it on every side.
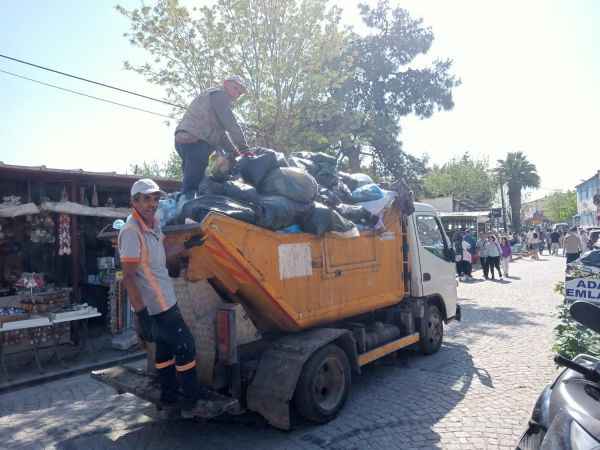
(18, 210)
(83, 210)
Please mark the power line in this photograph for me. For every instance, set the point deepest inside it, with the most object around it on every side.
(84, 94)
(90, 81)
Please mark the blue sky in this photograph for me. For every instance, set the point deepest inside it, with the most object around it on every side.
(530, 77)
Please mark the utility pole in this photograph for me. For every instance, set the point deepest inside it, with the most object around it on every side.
(503, 205)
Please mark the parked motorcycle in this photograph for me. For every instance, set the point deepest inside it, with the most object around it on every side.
(566, 415)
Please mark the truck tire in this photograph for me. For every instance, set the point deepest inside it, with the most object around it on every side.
(324, 385)
(431, 333)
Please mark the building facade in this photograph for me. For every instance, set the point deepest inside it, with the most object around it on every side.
(588, 201)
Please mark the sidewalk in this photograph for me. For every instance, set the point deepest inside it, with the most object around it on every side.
(23, 372)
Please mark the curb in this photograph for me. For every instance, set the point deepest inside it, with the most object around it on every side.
(65, 373)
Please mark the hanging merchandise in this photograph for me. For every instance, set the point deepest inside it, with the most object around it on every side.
(64, 235)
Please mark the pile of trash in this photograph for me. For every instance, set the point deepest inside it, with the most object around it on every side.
(301, 193)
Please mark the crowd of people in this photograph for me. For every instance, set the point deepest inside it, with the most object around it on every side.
(494, 252)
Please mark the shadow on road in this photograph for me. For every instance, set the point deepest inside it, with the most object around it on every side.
(400, 398)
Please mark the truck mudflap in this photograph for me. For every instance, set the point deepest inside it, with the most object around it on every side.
(280, 366)
(135, 381)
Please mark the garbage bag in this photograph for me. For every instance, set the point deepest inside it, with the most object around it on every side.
(355, 180)
(377, 206)
(290, 182)
(357, 214)
(167, 209)
(255, 168)
(367, 193)
(328, 197)
(276, 212)
(322, 166)
(198, 208)
(323, 219)
(301, 163)
(342, 191)
(281, 159)
(241, 191)
(219, 165)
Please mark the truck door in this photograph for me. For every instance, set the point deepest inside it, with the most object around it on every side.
(436, 260)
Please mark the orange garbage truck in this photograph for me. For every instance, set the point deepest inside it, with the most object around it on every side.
(285, 321)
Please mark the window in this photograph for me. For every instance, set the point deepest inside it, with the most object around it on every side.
(430, 235)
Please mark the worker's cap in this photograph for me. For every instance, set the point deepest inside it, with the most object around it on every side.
(146, 186)
(238, 80)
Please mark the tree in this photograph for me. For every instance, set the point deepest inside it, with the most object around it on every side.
(561, 206)
(465, 178)
(385, 85)
(517, 173)
(313, 84)
(169, 169)
(284, 50)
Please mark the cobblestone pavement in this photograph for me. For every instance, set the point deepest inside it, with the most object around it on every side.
(475, 393)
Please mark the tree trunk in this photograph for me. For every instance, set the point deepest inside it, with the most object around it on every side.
(354, 159)
(514, 198)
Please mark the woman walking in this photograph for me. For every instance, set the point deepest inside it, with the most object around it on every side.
(483, 256)
(506, 255)
(493, 255)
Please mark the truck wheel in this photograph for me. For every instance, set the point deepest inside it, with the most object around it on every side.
(431, 333)
(324, 385)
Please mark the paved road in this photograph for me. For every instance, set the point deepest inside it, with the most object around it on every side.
(475, 393)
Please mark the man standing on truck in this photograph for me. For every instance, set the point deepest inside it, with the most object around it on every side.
(209, 124)
(151, 293)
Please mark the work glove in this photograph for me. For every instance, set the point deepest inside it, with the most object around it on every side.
(145, 325)
(194, 241)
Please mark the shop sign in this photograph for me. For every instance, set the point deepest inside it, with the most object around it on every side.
(586, 289)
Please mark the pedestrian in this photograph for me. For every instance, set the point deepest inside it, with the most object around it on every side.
(572, 245)
(207, 125)
(483, 256)
(534, 245)
(493, 254)
(467, 259)
(152, 296)
(585, 241)
(554, 242)
(506, 255)
(457, 239)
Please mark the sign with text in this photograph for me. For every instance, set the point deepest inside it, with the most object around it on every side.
(586, 289)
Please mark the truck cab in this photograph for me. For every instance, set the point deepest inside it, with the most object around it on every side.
(432, 260)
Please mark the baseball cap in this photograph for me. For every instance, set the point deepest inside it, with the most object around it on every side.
(145, 186)
(237, 79)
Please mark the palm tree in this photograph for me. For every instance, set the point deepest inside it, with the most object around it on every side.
(518, 173)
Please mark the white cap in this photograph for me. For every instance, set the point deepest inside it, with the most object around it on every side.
(145, 186)
(237, 79)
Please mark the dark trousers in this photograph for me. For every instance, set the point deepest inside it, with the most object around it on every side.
(485, 265)
(194, 159)
(572, 257)
(175, 355)
(494, 262)
(464, 268)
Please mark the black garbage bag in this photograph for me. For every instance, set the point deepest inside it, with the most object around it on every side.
(322, 166)
(198, 208)
(302, 163)
(328, 197)
(357, 214)
(276, 212)
(254, 168)
(323, 219)
(241, 191)
(342, 191)
(290, 182)
(281, 159)
(355, 180)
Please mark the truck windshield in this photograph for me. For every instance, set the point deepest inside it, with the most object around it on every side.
(430, 235)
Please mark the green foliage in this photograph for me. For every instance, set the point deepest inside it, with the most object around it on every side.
(572, 338)
(169, 169)
(464, 178)
(313, 84)
(561, 206)
(517, 173)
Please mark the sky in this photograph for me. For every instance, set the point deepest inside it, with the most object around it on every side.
(529, 70)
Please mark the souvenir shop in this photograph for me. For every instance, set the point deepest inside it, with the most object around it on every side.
(53, 267)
